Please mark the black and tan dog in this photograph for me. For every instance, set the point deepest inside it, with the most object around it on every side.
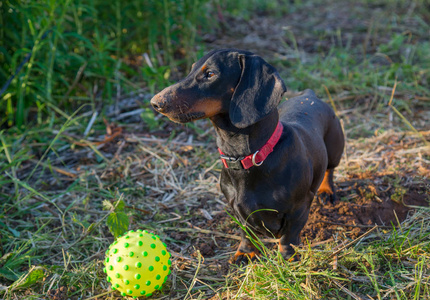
(276, 159)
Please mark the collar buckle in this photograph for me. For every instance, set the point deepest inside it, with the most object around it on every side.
(234, 163)
(244, 163)
(253, 159)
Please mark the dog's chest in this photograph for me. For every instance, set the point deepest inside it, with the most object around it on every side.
(247, 192)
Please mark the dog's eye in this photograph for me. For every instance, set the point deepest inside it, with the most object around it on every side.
(209, 74)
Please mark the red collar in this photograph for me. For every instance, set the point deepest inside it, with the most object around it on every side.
(255, 159)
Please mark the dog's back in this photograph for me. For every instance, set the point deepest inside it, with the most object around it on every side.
(314, 118)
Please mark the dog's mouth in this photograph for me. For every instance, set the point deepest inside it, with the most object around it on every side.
(186, 117)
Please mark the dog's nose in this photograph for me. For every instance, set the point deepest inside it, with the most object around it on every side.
(158, 104)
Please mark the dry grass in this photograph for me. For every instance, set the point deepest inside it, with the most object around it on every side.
(170, 186)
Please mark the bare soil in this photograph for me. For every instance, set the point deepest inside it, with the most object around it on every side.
(360, 205)
(370, 206)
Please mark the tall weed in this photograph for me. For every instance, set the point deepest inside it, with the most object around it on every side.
(57, 55)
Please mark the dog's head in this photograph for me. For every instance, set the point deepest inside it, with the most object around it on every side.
(228, 81)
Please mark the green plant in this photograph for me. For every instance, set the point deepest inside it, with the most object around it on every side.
(71, 52)
(117, 221)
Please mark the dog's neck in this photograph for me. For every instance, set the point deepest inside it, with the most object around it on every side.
(238, 142)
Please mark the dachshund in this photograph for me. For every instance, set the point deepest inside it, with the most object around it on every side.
(276, 157)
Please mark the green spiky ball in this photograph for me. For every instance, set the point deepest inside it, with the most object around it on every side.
(137, 263)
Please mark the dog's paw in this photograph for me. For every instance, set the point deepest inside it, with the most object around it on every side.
(241, 258)
(327, 191)
(325, 197)
(288, 253)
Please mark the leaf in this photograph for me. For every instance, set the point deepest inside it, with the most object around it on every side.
(91, 227)
(16, 233)
(107, 205)
(33, 276)
(9, 275)
(120, 205)
(85, 225)
(117, 223)
(5, 258)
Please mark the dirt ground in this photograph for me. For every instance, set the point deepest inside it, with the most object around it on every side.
(370, 206)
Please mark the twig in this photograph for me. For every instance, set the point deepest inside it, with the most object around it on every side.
(100, 295)
(344, 289)
(354, 241)
(130, 113)
(135, 139)
(393, 91)
(75, 82)
(350, 225)
(200, 258)
(90, 123)
(146, 212)
(331, 100)
(56, 169)
(322, 242)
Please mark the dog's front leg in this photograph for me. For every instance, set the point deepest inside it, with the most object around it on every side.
(291, 233)
(246, 251)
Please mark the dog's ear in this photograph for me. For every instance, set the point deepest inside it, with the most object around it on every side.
(258, 92)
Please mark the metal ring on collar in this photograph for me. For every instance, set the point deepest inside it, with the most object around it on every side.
(253, 159)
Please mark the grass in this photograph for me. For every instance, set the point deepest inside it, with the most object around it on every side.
(376, 268)
(61, 54)
(67, 176)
